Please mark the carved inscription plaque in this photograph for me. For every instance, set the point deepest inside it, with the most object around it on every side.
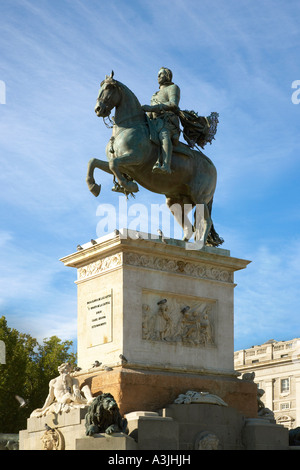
(99, 315)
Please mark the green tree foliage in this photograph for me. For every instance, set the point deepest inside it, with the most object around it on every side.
(29, 368)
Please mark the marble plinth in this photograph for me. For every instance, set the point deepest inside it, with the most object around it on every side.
(166, 308)
(162, 306)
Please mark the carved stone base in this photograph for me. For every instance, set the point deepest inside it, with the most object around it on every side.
(159, 314)
(68, 427)
(162, 305)
(150, 391)
(194, 426)
(67, 432)
(116, 441)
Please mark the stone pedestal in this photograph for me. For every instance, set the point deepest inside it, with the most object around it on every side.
(69, 425)
(152, 431)
(204, 426)
(139, 389)
(184, 427)
(166, 308)
(71, 429)
(197, 420)
(261, 434)
(158, 316)
(116, 441)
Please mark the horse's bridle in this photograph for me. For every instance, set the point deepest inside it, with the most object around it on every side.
(107, 111)
(103, 103)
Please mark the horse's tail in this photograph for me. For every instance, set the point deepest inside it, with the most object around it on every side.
(213, 238)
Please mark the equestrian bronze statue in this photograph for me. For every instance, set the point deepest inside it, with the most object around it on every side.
(145, 149)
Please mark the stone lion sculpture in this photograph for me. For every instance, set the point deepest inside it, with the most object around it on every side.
(103, 416)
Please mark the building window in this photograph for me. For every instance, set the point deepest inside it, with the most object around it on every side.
(285, 385)
(284, 406)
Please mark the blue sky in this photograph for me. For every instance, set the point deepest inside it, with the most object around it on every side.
(238, 58)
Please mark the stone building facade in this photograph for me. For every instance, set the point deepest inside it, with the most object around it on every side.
(276, 365)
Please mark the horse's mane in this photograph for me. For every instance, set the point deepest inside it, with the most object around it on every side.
(127, 90)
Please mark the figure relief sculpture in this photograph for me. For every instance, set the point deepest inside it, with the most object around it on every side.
(170, 321)
(192, 396)
(262, 411)
(64, 394)
(52, 439)
(207, 440)
(145, 149)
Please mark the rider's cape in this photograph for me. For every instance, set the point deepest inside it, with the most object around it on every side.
(198, 129)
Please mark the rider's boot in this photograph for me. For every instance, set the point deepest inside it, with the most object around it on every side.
(117, 188)
(156, 166)
(167, 155)
(166, 166)
(166, 150)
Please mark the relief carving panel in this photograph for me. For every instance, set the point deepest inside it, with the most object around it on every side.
(99, 266)
(194, 269)
(159, 263)
(173, 319)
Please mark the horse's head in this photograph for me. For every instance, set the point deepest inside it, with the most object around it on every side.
(108, 97)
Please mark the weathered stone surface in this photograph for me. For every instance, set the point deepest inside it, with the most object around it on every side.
(121, 282)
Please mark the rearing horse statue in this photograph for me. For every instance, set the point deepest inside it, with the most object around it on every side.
(131, 155)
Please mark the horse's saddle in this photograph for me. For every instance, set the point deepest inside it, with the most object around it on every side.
(181, 147)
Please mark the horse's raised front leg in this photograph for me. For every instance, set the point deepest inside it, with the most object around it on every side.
(118, 166)
(92, 164)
